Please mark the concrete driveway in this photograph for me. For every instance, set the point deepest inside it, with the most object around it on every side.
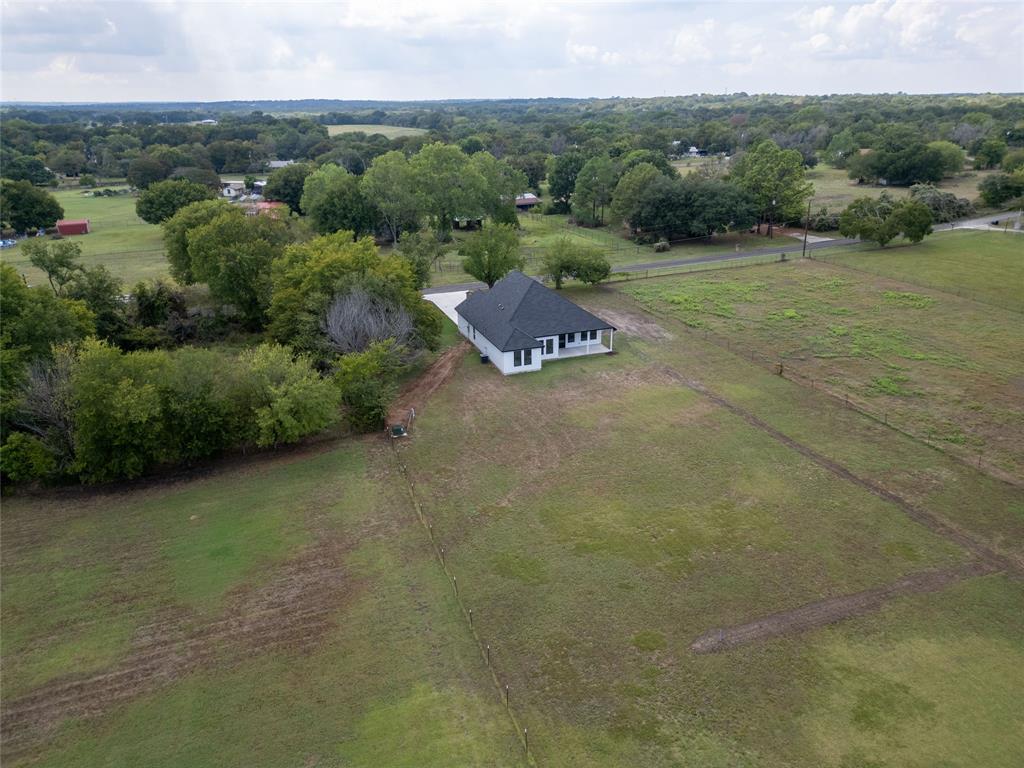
(447, 302)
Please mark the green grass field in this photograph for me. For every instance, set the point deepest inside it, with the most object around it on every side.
(389, 131)
(598, 517)
(834, 190)
(129, 247)
(984, 266)
(942, 367)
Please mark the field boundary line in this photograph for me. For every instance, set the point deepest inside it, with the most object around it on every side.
(773, 364)
(938, 525)
(483, 648)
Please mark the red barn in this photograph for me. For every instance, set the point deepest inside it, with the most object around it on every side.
(73, 227)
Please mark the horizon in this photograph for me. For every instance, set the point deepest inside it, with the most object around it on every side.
(478, 51)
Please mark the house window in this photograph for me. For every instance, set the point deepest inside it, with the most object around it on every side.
(527, 357)
(549, 347)
(593, 335)
(517, 358)
(561, 340)
(474, 334)
(572, 338)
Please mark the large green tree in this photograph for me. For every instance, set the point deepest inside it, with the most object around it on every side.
(449, 186)
(390, 185)
(176, 231)
(882, 219)
(627, 192)
(24, 207)
(492, 253)
(775, 179)
(146, 170)
(161, 200)
(593, 190)
(333, 201)
(60, 261)
(562, 171)
(232, 254)
(286, 184)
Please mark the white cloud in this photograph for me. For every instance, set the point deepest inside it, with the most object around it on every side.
(421, 49)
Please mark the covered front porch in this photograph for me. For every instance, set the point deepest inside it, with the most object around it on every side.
(581, 349)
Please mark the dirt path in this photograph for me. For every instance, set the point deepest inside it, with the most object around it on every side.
(420, 390)
(832, 610)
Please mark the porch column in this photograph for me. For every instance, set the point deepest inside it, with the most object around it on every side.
(611, 340)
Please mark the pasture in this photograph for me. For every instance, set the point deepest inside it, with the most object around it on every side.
(834, 190)
(129, 247)
(673, 556)
(940, 366)
(388, 131)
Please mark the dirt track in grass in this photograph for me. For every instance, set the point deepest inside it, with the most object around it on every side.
(289, 614)
(834, 609)
(420, 389)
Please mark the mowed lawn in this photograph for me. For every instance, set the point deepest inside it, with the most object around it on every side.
(389, 131)
(980, 265)
(285, 613)
(942, 367)
(129, 247)
(599, 517)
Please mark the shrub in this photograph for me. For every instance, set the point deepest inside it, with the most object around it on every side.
(25, 458)
(662, 246)
(367, 383)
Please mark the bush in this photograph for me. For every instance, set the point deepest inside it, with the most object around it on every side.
(822, 221)
(25, 458)
(662, 246)
(133, 411)
(367, 382)
(1000, 188)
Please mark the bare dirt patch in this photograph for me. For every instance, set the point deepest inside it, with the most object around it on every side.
(425, 385)
(289, 614)
(633, 324)
(832, 610)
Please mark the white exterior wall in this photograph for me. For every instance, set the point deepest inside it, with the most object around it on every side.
(503, 361)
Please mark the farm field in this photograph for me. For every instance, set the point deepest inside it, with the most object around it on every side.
(389, 131)
(600, 516)
(603, 515)
(941, 367)
(129, 247)
(289, 608)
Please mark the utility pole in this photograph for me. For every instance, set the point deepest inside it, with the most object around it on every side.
(807, 223)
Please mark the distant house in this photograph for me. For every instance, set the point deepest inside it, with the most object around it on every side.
(73, 227)
(232, 189)
(694, 152)
(520, 323)
(258, 187)
(526, 201)
(275, 164)
(207, 121)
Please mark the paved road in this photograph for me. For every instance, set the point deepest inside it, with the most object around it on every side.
(981, 222)
(794, 248)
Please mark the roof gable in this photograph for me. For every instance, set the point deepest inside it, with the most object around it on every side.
(518, 310)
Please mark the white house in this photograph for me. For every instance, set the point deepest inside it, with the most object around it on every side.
(232, 189)
(520, 323)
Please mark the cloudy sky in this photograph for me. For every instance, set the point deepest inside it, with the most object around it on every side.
(431, 49)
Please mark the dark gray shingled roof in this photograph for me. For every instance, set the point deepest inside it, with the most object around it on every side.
(518, 310)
